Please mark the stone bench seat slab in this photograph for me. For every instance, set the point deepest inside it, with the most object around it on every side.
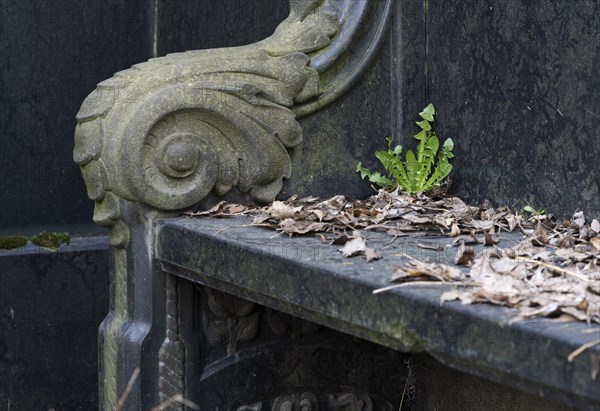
(308, 278)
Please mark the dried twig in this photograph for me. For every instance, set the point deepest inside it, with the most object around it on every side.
(127, 391)
(176, 398)
(554, 268)
(581, 349)
(405, 387)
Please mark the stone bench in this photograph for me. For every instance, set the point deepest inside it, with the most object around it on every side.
(243, 321)
(306, 278)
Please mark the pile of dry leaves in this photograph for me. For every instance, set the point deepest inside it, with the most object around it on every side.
(552, 271)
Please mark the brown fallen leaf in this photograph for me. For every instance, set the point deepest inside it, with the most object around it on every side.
(372, 254)
(415, 219)
(465, 255)
(490, 239)
(356, 245)
(578, 219)
(464, 297)
(281, 210)
(454, 231)
(340, 240)
(539, 237)
(291, 226)
(595, 242)
(432, 271)
(485, 225)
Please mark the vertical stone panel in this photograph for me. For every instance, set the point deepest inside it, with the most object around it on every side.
(516, 85)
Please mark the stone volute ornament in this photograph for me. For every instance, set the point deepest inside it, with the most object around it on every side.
(167, 132)
(162, 135)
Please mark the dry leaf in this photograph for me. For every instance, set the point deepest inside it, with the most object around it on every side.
(539, 237)
(490, 239)
(465, 255)
(464, 296)
(454, 231)
(595, 242)
(281, 210)
(417, 268)
(372, 254)
(356, 245)
(578, 219)
(482, 224)
(553, 271)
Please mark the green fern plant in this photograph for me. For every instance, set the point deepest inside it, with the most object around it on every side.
(417, 173)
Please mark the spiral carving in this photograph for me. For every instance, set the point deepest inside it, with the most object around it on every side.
(167, 132)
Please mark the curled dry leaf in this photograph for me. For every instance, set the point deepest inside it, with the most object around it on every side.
(419, 270)
(281, 210)
(356, 245)
(465, 255)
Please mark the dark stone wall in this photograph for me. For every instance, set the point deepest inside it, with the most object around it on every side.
(52, 54)
(51, 305)
(516, 86)
(194, 25)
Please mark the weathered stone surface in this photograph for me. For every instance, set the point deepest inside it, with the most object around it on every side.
(200, 121)
(304, 277)
(516, 86)
(52, 55)
(192, 25)
(165, 134)
(51, 304)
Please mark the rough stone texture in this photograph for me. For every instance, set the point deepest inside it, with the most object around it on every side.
(253, 354)
(338, 136)
(516, 86)
(50, 307)
(52, 53)
(193, 124)
(437, 387)
(190, 24)
(310, 279)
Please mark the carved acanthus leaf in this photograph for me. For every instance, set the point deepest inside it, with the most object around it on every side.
(308, 401)
(236, 321)
(167, 132)
(350, 402)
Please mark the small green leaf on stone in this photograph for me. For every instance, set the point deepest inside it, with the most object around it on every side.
(428, 113)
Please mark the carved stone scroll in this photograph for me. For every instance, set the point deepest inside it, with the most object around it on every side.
(167, 132)
(162, 135)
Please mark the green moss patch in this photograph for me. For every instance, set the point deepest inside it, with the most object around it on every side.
(51, 240)
(10, 242)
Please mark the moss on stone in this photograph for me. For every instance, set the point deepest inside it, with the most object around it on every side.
(10, 242)
(51, 240)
